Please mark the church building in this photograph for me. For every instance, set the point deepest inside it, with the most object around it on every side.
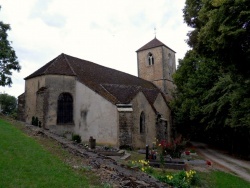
(70, 95)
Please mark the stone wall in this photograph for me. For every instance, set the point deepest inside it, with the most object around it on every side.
(42, 105)
(31, 87)
(151, 72)
(56, 85)
(125, 129)
(21, 107)
(169, 65)
(161, 72)
(140, 104)
(164, 120)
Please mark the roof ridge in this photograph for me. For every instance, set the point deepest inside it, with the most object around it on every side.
(153, 44)
(44, 72)
(65, 56)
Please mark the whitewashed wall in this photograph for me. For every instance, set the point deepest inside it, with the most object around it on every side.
(95, 116)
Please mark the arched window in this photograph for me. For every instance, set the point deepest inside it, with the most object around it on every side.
(64, 109)
(150, 59)
(142, 123)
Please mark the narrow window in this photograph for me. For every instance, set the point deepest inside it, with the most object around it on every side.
(64, 109)
(170, 60)
(142, 123)
(150, 59)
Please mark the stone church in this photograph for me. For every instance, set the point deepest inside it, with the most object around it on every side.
(70, 95)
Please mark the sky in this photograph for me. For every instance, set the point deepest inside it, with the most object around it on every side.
(104, 32)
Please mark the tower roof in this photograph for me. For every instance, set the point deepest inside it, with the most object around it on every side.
(153, 44)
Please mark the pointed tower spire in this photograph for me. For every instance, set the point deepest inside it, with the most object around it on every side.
(155, 32)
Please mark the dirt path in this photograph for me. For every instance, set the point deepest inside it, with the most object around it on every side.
(239, 167)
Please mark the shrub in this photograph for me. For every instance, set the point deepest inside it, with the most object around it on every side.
(76, 138)
(35, 121)
(174, 148)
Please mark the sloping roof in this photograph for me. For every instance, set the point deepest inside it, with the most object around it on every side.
(153, 44)
(115, 86)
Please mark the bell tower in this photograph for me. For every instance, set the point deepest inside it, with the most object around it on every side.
(156, 63)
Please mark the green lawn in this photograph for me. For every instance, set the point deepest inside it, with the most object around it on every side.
(222, 179)
(25, 163)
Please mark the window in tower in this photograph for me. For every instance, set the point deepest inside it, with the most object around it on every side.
(150, 59)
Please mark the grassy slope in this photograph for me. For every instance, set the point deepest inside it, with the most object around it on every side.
(25, 163)
(222, 179)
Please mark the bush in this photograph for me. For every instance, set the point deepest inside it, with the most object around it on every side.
(174, 148)
(77, 138)
(36, 122)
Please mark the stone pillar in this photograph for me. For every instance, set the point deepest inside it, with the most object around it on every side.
(125, 129)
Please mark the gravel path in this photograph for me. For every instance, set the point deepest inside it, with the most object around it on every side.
(237, 166)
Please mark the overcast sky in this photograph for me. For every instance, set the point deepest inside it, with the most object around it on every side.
(107, 32)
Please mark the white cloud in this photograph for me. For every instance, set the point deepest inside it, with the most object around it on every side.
(105, 32)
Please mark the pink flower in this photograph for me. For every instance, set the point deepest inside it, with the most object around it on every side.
(209, 163)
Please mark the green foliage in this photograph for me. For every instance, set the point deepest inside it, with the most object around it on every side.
(8, 104)
(221, 31)
(77, 138)
(213, 79)
(142, 165)
(182, 179)
(8, 58)
(36, 122)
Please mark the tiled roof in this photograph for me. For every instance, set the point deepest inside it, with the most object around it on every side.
(114, 85)
(153, 44)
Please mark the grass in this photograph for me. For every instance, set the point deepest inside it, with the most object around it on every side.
(24, 162)
(220, 179)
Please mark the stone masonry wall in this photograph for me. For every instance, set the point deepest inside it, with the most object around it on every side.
(21, 107)
(125, 124)
(151, 72)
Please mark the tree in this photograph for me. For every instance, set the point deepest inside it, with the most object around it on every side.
(221, 31)
(8, 58)
(8, 104)
(213, 80)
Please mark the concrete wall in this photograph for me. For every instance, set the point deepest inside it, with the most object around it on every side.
(140, 104)
(95, 116)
